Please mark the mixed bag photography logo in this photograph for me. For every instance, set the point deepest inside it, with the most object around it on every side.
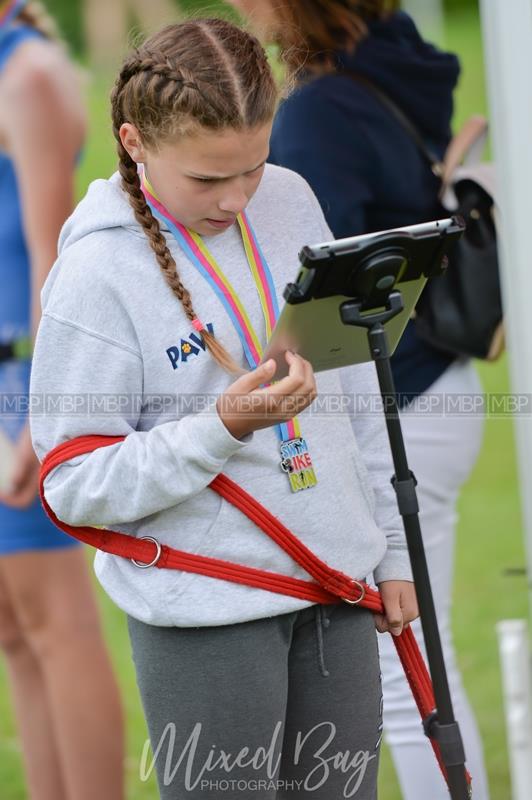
(222, 771)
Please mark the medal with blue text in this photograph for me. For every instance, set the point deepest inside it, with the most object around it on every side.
(296, 461)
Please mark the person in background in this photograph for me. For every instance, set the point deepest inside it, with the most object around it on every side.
(368, 175)
(105, 43)
(65, 697)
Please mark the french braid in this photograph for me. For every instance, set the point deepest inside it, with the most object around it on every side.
(205, 73)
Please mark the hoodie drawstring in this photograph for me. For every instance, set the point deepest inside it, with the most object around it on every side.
(322, 621)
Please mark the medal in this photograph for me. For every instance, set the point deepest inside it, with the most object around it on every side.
(296, 461)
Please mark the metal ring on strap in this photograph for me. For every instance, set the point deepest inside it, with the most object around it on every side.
(362, 594)
(152, 563)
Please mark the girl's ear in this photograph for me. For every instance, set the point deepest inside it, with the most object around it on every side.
(131, 141)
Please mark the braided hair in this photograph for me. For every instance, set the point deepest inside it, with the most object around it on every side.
(203, 73)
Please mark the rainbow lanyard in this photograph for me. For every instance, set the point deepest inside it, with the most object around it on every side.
(296, 461)
(8, 11)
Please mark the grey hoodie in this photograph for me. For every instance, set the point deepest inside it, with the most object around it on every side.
(116, 355)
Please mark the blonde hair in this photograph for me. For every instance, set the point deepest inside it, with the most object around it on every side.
(203, 73)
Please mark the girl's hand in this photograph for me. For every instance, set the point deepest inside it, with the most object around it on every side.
(400, 606)
(245, 407)
(25, 476)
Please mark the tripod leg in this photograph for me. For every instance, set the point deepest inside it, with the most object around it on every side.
(442, 726)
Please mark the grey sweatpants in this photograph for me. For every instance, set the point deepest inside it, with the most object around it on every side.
(282, 707)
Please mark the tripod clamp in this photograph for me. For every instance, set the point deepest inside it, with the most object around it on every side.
(352, 312)
(449, 741)
(448, 738)
(406, 494)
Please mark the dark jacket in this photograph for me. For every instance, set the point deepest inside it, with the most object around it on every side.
(364, 168)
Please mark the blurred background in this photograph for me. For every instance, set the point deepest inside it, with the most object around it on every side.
(489, 584)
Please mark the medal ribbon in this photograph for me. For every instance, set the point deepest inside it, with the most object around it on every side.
(194, 248)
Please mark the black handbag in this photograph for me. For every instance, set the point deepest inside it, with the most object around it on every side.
(460, 312)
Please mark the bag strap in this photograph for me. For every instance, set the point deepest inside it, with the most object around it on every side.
(406, 123)
(329, 585)
(469, 140)
(465, 146)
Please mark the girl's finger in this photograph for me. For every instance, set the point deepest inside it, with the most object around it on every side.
(410, 615)
(292, 382)
(256, 376)
(286, 387)
(252, 380)
(296, 366)
(395, 622)
(380, 623)
(309, 386)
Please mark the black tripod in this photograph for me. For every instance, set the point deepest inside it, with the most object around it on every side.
(441, 724)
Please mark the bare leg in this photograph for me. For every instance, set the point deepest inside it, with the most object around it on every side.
(32, 711)
(55, 605)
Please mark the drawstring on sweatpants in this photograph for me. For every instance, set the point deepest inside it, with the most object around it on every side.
(322, 621)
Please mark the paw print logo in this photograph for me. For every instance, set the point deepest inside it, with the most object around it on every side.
(186, 348)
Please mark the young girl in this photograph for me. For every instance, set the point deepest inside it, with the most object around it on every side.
(50, 636)
(168, 281)
(368, 175)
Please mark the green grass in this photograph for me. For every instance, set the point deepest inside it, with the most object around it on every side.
(489, 535)
(99, 155)
(463, 36)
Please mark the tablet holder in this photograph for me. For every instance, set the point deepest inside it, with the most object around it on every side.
(377, 299)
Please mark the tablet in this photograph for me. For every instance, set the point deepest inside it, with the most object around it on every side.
(367, 269)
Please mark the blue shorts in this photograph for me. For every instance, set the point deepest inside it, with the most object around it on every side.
(28, 529)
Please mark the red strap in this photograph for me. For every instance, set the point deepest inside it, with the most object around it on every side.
(328, 587)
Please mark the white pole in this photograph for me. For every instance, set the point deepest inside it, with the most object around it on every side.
(507, 26)
(515, 666)
(507, 29)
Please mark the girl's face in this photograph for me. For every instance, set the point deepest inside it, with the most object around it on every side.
(207, 178)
